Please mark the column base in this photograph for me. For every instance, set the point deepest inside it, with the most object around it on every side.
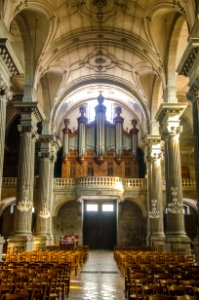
(20, 243)
(196, 249)
(2, 242)
(41, 241)
(157, 242)
(178, 243)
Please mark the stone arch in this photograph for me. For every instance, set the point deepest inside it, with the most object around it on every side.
(178, 38)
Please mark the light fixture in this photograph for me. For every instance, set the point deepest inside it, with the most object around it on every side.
(44, 213)
(175, 207)
(154, 213)
(25, 204)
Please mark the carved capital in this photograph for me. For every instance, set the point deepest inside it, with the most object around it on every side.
(153, 147)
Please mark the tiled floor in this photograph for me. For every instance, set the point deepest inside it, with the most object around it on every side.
(100, 279)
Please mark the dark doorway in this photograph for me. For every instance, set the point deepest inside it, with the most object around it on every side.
(99, 227)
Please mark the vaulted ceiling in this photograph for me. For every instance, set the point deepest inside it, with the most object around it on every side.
(70, 51)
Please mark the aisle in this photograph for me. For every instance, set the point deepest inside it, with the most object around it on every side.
(100, 279)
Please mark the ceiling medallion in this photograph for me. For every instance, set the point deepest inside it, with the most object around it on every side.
(100, 3)
(99, 61)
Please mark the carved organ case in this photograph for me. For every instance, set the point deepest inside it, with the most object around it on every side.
(100, 148)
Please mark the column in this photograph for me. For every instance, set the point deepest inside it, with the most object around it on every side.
(193, 95)
(168, 116)
(156, 236)
(118, 120)
(82, 121)
(43, 234)
(100, 110)
(134, 137)
(5, 95)
(22, 234)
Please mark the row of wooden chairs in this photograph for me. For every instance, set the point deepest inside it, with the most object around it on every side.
(40, 275)
(45, 281)
(150, 273)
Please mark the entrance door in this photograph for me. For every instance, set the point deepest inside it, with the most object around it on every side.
(99, 227)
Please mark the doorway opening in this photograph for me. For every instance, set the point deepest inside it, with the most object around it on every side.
(99, 225)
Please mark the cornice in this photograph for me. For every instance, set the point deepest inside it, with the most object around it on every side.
(9, 58)
(169, 110)
(29, 108)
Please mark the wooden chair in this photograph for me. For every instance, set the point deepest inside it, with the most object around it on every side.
(186, 297)
(17, 296)
(160, 297)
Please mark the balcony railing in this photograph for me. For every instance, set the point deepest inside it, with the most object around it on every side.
(100, 180)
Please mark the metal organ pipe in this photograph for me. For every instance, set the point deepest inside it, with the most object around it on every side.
(66, 132)
(82, 121)
(100, 110)
(118, 134)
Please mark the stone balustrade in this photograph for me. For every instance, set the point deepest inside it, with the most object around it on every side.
(100, 181)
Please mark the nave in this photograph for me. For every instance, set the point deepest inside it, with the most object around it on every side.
(99, 279)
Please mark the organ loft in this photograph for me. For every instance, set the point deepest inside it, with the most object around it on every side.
(100, 148)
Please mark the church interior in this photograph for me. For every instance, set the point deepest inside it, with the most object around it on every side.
(99, 124)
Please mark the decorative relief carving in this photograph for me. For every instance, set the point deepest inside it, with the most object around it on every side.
(191, 59)
(99, 62)
(194, 90)
(5, 92)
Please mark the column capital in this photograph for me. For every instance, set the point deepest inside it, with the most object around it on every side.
(153, 147)
(29, 109)
(168, 116)
(48, 142)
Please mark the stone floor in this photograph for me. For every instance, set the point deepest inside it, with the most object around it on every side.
(99, 279)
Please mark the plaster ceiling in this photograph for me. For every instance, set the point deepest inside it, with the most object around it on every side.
(82, 47)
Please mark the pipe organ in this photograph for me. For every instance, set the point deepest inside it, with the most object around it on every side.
(100, 148)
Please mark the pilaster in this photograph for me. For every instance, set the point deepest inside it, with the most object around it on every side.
(5, 96)
(168, 116)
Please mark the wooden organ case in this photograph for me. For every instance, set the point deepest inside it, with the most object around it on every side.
(100, 148)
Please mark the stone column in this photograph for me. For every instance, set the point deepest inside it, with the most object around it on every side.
(193, 95)
(156, 237)
(5, 95)
(168, 116)
(82, 121)
(22, 234)
(118, 120)
(43, 209)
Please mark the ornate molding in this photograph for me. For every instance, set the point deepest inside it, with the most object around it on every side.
(8, 58)
(194, 90)
(29, 108)
(169, 110)
(193, 56)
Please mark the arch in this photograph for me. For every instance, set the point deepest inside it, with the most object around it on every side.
(178, 38)
(6, 202)
(111, 82)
